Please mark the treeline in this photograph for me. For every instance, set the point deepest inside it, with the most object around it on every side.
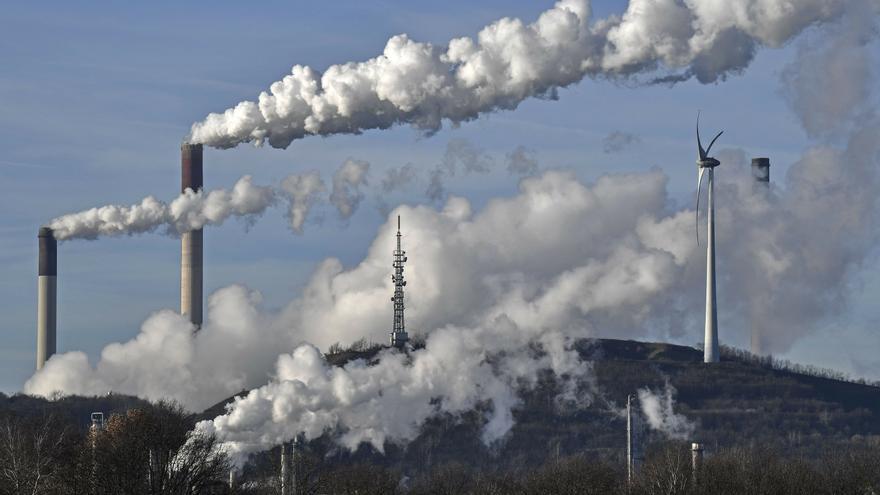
(667, 470)
(151, 450)
(146, 450)
(768, 362)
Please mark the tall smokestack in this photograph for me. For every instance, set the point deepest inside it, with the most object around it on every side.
(191, 242)
(761, 170)
(761, 176)
(47, 295)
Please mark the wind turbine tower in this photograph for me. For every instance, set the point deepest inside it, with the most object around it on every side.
(399, 336)
(706, 166)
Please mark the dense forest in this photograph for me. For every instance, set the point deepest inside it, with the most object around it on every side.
(767, 427)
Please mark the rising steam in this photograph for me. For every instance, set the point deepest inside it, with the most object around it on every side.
(190, 211)
(348, 181)
(658, 409)
(304, 191)
(503, 293)
(423, 85)
(194, 210)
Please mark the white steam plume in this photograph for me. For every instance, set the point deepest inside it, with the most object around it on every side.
(348, 180)
(302, 192)
(423, 85)
(558, 261)
(484, 320)
(190, 211)
(194, 210)
(660, 414)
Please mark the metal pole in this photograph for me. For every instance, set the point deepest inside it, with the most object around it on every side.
(286, 485)
(94, 430)
(629, 441)
(696, 459)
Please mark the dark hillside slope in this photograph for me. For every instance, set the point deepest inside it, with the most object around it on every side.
(741, 401)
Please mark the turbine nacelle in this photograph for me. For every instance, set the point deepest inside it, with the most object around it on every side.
(703, 158)
(704, 161)
(708, 162)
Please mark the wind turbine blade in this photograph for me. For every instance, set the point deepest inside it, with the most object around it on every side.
(699, 144)
(697, 213)
(713, 142)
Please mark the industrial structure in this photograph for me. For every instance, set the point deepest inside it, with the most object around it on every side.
(95, 430)
(288, 467)
(761, 176)
(47, 295)
(706, 165)
(696, 460)
(399, 336)
(761, 171)
(191, 242)
(633, 452)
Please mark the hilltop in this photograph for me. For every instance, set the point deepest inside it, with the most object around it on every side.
(742, 401)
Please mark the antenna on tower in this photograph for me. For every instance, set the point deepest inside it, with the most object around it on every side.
(399, 336)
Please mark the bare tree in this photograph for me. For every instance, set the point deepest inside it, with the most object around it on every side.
(666, 471)
(152, 450)
(29, 451)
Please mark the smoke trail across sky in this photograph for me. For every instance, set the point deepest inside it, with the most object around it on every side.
(509, 61)
(190, 211)
(194, 210)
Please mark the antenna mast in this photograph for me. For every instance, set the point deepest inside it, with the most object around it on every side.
(399, 336)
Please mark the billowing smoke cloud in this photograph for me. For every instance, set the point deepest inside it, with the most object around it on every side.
(348, 179)
(657, 407)
(194, 210)
(830, 91)
(528, 282)
(504, 292)
(529, 274)
(302, 192)
(831, 80)
(522, 161)
(190, 211)
(618, 141)
(509, 61)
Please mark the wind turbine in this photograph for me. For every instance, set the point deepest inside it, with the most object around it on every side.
(707, 164)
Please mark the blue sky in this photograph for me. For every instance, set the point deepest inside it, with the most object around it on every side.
(96, 99)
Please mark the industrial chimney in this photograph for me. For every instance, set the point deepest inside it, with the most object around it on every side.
(761, 170)
(47, 295)
(761, 176)
(191, 242)
(696, 460)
